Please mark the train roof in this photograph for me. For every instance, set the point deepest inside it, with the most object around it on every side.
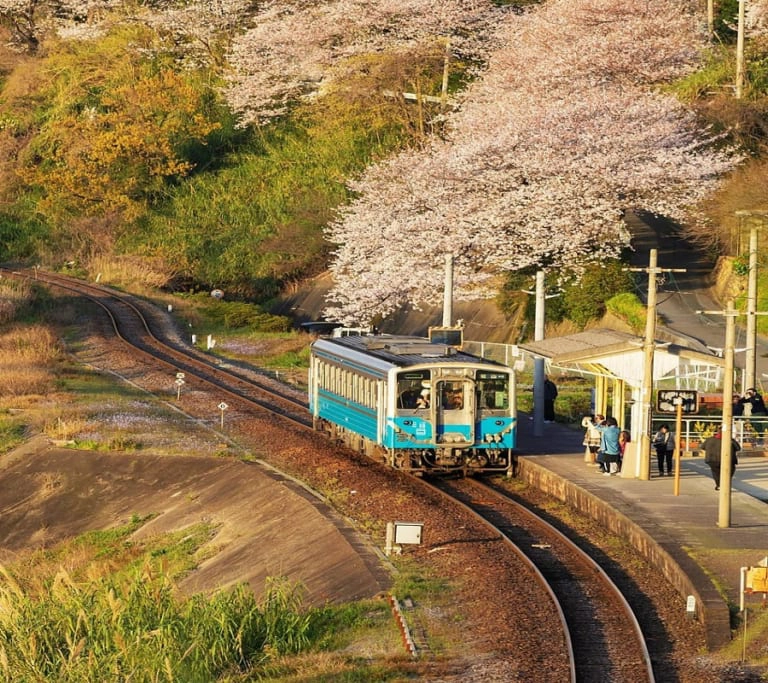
(401, 351)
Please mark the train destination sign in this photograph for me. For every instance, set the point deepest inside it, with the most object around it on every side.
(667, 401)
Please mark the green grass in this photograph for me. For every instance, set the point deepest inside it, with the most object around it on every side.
(12, 431)
(115, 613)
(288, 359)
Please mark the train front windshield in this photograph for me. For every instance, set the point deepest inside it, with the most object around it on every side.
(414, 389)
(493, 390)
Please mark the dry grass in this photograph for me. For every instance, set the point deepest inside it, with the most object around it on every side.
(27, 356)
(133, 273)
(13, 294)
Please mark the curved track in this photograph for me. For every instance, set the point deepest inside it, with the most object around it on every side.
(602, 635)
(135, 323)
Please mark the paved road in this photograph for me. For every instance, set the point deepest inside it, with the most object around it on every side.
(680, 295)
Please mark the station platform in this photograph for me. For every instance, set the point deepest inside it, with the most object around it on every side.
(678, 533)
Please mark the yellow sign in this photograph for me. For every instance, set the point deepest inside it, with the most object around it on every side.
(757, 579)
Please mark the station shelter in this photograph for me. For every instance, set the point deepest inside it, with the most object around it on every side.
(616, 360)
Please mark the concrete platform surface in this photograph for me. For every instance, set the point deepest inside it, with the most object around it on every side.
(684, 528)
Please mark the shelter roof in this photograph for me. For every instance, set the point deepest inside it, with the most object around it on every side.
(620, 355)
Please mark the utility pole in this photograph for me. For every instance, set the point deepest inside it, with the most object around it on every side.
(751, 307)
(740, 52)
(538, 362)
(649, 347)
(446, 71)
(726, 430)
(448, 292)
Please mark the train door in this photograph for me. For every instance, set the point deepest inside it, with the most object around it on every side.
(455, 410)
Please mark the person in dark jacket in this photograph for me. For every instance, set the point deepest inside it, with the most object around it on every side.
(712, 452)
(664, 443)
(755, 402)
(550, 394)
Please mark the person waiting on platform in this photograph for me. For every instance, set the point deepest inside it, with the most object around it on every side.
(609, 454)
(713, 450)
(592, 436)
(550, 394)
(664, 443)
(624, 438)
(753, 403)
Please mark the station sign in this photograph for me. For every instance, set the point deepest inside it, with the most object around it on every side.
(667, 401)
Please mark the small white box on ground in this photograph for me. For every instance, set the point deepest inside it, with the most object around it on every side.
(408, 532)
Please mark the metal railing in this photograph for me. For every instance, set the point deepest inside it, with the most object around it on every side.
(751, 433)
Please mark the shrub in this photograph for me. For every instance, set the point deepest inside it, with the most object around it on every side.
(585, 299)
(629, 308)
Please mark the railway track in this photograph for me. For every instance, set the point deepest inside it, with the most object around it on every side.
(600, 633)
(595, 641)
(137, 324)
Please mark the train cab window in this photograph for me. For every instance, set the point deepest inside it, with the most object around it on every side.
(413, 390)
(452, 395)
(493, 390)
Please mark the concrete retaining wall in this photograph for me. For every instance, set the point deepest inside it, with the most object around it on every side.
(649, 539)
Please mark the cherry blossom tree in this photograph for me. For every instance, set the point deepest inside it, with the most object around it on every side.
(756, 17)
(562, 134)
(294, 49)
(22, 18)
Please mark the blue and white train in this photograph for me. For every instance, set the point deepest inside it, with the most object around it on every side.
(418, 405)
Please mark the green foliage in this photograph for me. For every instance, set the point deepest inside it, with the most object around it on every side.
(12, 432)
(288, 359)
(713, 76)
(585, 299)
(116, 127)
(573, 403)
(579, 301)
(21, 237)
(741, 265)
(234, 315)
(629, 308)
(256, 223)
(132, 622)
(726, 15)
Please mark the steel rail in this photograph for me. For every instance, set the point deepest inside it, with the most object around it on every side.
(172, 357)
(585, 666)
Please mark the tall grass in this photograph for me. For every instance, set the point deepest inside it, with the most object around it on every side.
(13, 294)
(27, 354)
(139, 628)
